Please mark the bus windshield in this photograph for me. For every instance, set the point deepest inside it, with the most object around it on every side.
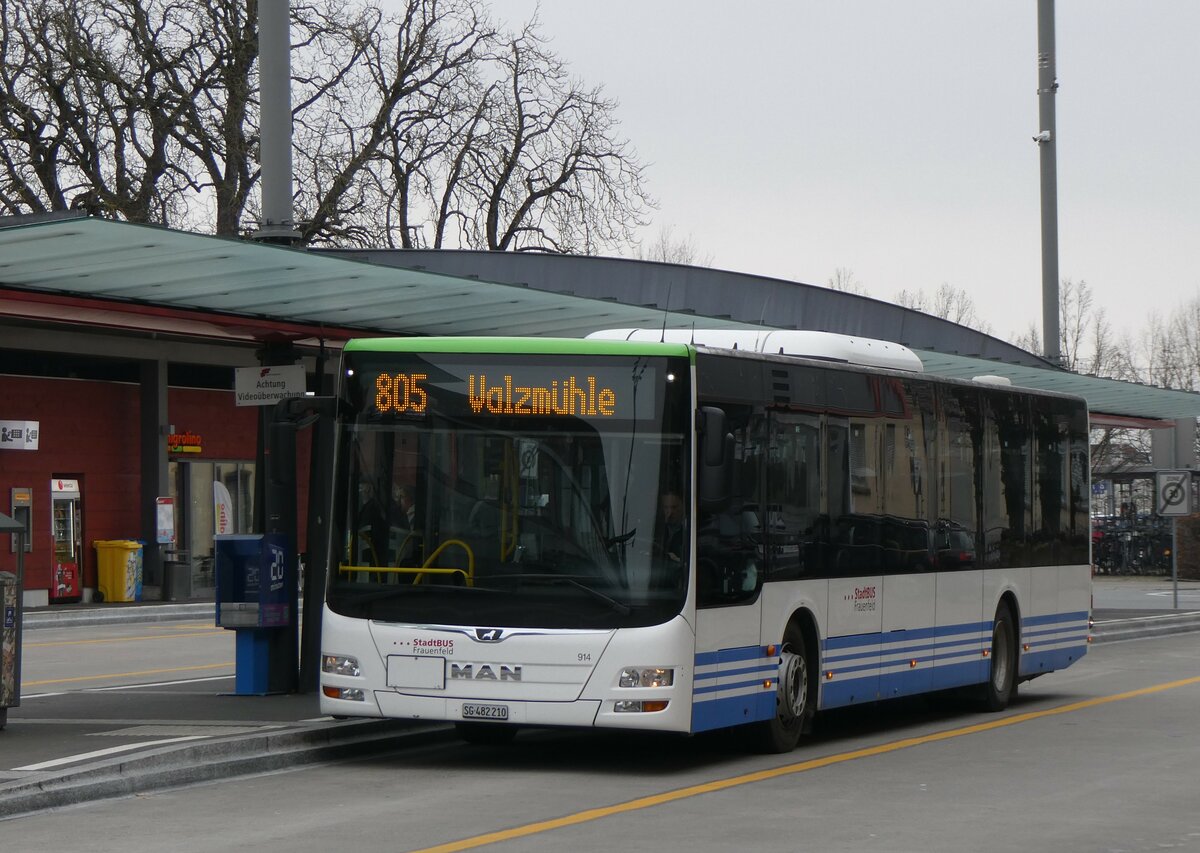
(510, 490)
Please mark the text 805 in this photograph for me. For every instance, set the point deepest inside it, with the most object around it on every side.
(401, 392)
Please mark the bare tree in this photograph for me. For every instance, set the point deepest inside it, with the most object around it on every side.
(554, 176)
(1090, 346)
(914, 300)
(1086, 338)
(1172, 348)
(669, 249)
(426, 127)
(89, 103)
(361, 124)
(948, 302)
(843, 279)
(218, 106)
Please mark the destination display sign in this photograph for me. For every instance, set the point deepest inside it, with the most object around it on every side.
(598, 392)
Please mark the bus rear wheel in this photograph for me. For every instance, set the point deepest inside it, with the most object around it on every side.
(1001, 685)
(793, 698)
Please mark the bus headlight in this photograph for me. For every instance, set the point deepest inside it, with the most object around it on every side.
(340, 665)
(653, 676)
(639, 706)
(351, 694)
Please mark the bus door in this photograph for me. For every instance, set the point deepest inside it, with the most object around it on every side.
(957, 542)
(729, 570)
(907, 621)
(907, 436)
(850, 657)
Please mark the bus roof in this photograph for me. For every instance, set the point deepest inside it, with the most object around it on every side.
(825, 346)
(514, 346)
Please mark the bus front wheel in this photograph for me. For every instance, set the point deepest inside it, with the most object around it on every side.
(793, 698)
(1001, 685)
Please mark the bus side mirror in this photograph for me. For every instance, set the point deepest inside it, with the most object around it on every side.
(712, 436)
(715, 468)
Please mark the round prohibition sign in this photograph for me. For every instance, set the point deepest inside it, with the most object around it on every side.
(1172, 494)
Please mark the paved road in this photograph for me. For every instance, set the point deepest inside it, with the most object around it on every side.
(114, 706)
(1100, 757)
(1144, 593)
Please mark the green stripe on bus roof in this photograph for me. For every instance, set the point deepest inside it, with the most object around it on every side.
(513, 346)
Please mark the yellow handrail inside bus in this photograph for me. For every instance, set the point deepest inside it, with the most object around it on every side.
(469, 574)
(410, 536)
(419, 572)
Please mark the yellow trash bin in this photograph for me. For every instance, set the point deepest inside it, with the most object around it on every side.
(118, 570)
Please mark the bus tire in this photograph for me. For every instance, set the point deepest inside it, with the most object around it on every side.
(794, 705)
(1001, 685)
(486, 734)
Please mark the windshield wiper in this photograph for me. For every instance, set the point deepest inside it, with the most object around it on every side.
(621, 539)
(619, 607)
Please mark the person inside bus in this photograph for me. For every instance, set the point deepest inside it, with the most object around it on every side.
(372, 525)
(672, 527)
(406, 526)
(404, 508)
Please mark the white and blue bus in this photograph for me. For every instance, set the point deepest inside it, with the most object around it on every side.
(643, 531)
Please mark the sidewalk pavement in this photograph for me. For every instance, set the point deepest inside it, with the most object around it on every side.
(106, 743)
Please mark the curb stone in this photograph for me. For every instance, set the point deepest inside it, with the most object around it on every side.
(1137, 627)
(188, 764)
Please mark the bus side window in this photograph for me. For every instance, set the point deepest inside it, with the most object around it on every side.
(730, 543)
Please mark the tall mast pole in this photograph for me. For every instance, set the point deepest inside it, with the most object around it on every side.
(275, 122)
(1047, 143)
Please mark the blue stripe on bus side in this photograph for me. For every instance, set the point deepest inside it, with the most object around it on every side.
(1053, 641)
(754, 684)
(946, 676)
(733, 711)
(866, 667)
(946, 639)
(766, 670)
(902, 683)
(730, 655)
(712, 705)
(847, 691)
(1046, 660)
(1055, 618)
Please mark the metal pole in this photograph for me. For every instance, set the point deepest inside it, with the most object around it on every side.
(1047, 141)
(21, 537)
(275, 122)
(1175, 563)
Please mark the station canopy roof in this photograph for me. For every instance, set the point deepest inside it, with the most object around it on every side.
(126, 265)
(143, 264)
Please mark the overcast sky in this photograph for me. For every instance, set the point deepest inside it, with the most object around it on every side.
(893, 139)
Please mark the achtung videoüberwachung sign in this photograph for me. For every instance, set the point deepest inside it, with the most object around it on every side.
(266, 386)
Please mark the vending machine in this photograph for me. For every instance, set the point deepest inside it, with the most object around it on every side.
(66, 526)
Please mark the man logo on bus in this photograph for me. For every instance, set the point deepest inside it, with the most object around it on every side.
(485, 672)
(489, 635)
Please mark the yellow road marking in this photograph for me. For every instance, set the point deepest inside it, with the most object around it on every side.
(98, 640)
(79, 678)
(786, 770)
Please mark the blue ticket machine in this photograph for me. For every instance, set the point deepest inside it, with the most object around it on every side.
(257, 598)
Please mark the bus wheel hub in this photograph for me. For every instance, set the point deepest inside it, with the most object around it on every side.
(793, 685)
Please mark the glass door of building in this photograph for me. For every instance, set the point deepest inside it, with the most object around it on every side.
(212, 498)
